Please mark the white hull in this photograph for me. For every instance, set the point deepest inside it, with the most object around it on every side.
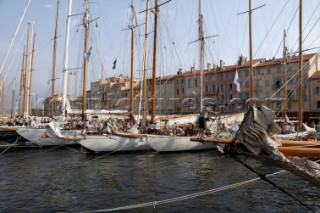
(40, 138)
(163, 143)
(114, 143)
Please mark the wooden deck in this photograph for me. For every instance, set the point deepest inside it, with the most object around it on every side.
(288, 148)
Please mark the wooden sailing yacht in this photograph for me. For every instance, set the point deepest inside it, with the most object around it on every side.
(50, 135)
(119, 141)
(173, 143)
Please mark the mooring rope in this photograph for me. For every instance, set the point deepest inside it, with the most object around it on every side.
(264, 178)
(185, 197)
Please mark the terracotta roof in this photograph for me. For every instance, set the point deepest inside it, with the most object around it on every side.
(291, 59)
(315, 75)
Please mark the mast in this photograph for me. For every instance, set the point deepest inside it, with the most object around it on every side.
(101, 89)
(285, 77)
(300, 66)
(31, 70)
(154, 67)
(251, 58)
(13, 94)
(86, 41)
(145, 64)
(21, 79)
(132, 59)
(201, 39)
(3, 98)
(54, 61)
(25, 80)
(65, 62)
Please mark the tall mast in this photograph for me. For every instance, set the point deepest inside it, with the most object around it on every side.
(145, 63)
(101, 95)
(31, 70)
(13, 94)
(132, 58)
(3, 97)
(25, 80)
(54, 61)
(285, 77)
(154, 67)
(65, 62)
(300, 66)
(201, 39)
(251, 58)
(86, 41)
(21, 79)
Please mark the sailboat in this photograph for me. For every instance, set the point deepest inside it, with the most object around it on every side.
(173, 143)
(51, 135)
(117, 141)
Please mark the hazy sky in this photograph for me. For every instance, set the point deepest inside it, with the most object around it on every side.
(177, 28)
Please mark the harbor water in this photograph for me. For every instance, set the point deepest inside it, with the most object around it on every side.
(68, 180)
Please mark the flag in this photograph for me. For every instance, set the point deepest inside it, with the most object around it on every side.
(88, 53)
(114, 64)
(237, 81)
(137, 95)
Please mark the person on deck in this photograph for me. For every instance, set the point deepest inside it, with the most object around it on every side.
(201, 125)
(151, 128)
(234, 129)
(318, 131)
(219, 124)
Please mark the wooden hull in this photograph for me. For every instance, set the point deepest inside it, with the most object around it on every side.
(288, 148)
(163, 143)
(114, 143)
(40, 138)
(10, 135)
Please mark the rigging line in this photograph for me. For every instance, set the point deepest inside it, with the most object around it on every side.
(225, 32)
(305, 74)
(272, 25)
(9, 67)
(14, 36)
(311, 30)
(295, 13)
(264, 178)
(307, 24)
(186, 197)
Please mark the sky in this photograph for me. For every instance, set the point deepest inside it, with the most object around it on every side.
(109, 36)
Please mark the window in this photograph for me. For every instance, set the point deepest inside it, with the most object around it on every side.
(247, 72)
(222, 87)
(318, 104)
(289, 68)
(214, 88)
(177, 81)
(189, 83)
(195, 82)
(277, 84)
(206, 79)
(230, 76)
(278, 69)
(214, 78)
(268, 70)
(317, 91)
(177, 91)
(182, 90)
(257, 84)
(182, 81)
(206, 89)
(230, 86)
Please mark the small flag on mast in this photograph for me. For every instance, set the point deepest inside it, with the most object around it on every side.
(237, 81)
(114, 64)
(88, 53)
